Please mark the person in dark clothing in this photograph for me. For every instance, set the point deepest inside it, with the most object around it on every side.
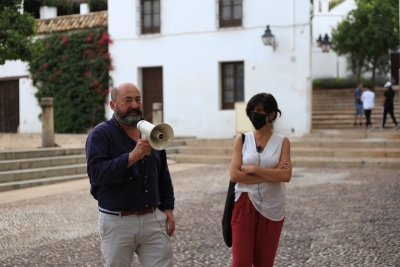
(132, 184)
(388, 106)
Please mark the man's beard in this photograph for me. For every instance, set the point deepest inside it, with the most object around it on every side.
(128, 119)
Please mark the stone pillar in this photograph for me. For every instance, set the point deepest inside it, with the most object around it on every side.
(47, 122)
(157, 113)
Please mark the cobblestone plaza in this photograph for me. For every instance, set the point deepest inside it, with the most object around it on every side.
(335, 217)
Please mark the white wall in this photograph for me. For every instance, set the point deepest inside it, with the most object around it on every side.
(191, 47)
(29, 108)
(13, 69)
(324, 21)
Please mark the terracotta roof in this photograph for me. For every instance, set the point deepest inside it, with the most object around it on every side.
(73, 22)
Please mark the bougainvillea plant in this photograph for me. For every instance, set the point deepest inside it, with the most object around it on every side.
(74, 70)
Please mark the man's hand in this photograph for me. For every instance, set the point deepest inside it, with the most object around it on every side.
(142, 149)
(170, 222)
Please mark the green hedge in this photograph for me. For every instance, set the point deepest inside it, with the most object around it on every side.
(350, 82)
(74, 70)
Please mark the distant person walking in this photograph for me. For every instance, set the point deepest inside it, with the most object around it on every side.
(358, 104)
(388, 106)
(368, 100)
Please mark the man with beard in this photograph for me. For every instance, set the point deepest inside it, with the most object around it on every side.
(132, 185)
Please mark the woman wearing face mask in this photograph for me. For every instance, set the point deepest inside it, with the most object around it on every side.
(261, 167)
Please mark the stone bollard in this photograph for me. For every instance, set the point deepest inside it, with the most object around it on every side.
(157, 113)
(47, 122)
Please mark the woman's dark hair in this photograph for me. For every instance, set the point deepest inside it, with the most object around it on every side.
(267, 101)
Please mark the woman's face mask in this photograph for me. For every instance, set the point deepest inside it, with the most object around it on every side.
(258, 120)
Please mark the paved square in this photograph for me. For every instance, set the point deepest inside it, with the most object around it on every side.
(335, 217)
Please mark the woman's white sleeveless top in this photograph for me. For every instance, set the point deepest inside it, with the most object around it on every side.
(268, 197)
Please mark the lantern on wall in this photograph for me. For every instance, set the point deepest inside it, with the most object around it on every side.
(268, 38)
(326, 44)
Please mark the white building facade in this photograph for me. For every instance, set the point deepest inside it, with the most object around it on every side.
(204, 56)
(27, 105)
(328, 65)
(203, 66)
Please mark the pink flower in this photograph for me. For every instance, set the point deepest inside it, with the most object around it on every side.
(64, 57)
(64, 40)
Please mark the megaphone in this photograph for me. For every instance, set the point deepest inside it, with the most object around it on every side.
(160, 135)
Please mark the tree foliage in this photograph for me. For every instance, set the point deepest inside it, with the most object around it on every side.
(74, 70)
(368, 33)
(16, 32)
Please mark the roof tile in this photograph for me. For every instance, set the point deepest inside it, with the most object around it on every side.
(73, 22)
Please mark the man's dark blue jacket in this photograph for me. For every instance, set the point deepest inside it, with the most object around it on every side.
(147, 183)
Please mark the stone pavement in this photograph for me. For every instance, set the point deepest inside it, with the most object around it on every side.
(335, 217)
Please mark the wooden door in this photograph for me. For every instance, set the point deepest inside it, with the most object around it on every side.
(152, 90)
(9, 106)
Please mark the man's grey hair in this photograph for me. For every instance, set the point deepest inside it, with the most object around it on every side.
(114, 93)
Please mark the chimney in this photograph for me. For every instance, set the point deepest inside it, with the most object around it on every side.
(84, 9)
(48, 12)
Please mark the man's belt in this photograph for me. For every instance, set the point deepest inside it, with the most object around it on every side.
(127, 213)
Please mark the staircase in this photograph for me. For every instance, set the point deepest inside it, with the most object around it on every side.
(334, 141)
(33, 167)
(321, 148)
(334, 109)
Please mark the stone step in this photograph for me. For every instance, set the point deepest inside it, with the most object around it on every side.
(301, 161)
(33, 167)
(41, 181)
(358, 133)
(23, 164)
(198, 158)
(346, 117)
(346, 152)
(343, 107)
(348, 112)
(303, 151)
(345, 162)
(40, 152)
(38, 173)
(205, 150)
(210, 142)
(347, 127)
(350, 143)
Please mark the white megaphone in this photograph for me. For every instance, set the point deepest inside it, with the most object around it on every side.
(160, 135)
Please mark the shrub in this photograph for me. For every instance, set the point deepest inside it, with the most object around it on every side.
(340, 83)
(73, 69)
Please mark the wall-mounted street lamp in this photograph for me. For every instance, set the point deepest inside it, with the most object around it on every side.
(319, 41)
(268, 38)
(326, 44)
